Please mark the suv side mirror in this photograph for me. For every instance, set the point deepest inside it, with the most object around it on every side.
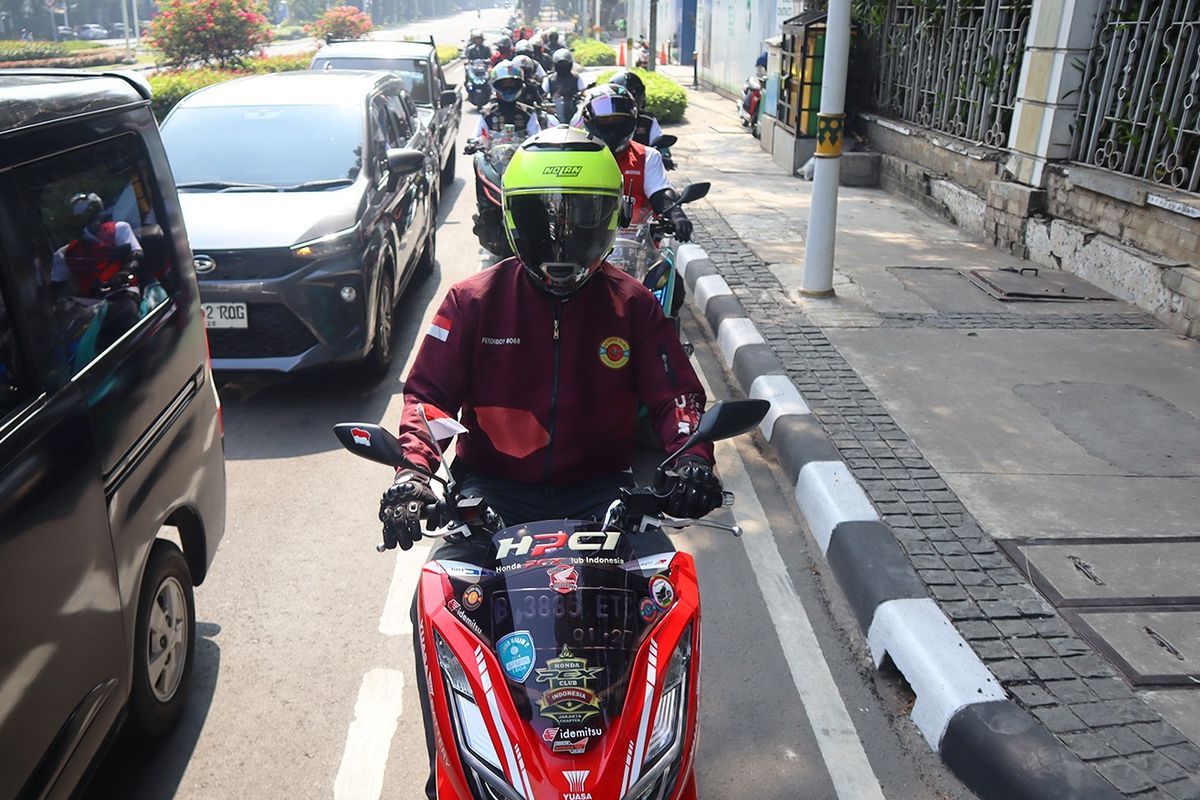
(402, 162)
(449, 96)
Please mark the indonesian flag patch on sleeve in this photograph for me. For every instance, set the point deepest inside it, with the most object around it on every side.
(440, 329)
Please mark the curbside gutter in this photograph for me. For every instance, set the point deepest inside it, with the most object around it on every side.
(996, 748)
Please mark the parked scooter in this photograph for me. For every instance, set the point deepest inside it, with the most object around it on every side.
(479, 85)
(568, 664)
(750, 108)
(492, 155)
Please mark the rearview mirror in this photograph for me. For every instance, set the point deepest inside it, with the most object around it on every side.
(726, 419)
(449, 96)
(693, 192)
(404, 161)
(372, 442)
(666, 140)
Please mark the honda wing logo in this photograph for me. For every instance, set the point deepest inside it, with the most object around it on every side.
(360, 436)
(577, 780)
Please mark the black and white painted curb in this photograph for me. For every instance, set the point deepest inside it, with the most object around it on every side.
(994, 746)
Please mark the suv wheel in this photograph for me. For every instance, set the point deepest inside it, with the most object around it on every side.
(164, 642)
(428, 254)
(379, 357)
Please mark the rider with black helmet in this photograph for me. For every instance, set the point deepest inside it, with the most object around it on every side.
(504, 51)
(564, 86)
(648, 130)
(476, 49)
(610, 113)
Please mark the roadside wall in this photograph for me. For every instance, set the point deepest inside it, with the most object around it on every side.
(1127, 236)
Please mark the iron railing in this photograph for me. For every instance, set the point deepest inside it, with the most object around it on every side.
(950, 65)
(1140, 109)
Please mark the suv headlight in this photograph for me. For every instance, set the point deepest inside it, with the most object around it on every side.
(338, 242)
(470, 730)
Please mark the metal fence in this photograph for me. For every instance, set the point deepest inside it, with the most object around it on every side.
(1140, 109)
(950, 65)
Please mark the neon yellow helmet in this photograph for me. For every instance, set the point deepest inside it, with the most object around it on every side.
(562, 199)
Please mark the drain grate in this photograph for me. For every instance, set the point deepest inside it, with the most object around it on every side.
(1033, 284)
(1135, 599)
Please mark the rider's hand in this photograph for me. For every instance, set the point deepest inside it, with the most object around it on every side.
(400, 509)
(682, 225)
(697, 489)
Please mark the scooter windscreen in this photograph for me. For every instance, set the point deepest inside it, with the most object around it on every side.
(565, 607)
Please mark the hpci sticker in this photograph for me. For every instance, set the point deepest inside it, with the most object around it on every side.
(614, 352)
(516, 655)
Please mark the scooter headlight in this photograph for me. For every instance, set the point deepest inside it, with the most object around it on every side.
(666, 737)
(470, 730)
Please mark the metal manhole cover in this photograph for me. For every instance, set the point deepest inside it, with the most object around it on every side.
(1151, 646)
(1033, 284)
(1121, 573)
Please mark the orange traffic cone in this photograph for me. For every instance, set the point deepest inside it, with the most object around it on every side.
(662, 55)
(621, 56)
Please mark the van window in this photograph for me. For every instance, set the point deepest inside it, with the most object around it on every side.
(14, 390)
(102, 259)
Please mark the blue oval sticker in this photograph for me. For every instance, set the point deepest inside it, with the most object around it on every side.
(516, 655)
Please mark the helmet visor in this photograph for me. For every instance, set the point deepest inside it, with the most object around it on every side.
(615, 130)
(508, 89)
(561, 236)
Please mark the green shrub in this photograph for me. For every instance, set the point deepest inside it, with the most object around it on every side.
(665, 98)
(209, 32)
(341, 22)
(172, 86)
(447, 53)
(591, 53)
(28, 51)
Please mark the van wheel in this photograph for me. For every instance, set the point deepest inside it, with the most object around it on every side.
(379, 357)
(164, 642)
(448, 170)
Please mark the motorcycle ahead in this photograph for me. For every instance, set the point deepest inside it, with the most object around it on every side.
(566, 665)
(479, 84)
(647, 252)
(492, 155)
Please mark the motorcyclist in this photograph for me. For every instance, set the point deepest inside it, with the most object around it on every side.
(506, 108)
(104, 255)
(476, 49)
(504, 51)
(531, 94)
(525, 48)
(541, 55)
(553, 43)
(610, 114)
(563, 87)
(589, 343)
(648, 130)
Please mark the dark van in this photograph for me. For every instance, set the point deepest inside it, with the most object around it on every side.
(110, 431)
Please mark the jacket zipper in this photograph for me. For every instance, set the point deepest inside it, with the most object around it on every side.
(662, 351)
(554, 392)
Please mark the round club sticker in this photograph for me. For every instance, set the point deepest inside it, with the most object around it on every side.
(662, 592)
(472, 598)
(614, 352)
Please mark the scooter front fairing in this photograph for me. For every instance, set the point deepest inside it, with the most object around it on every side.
(565, 668)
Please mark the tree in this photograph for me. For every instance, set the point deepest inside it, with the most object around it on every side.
(219, 32)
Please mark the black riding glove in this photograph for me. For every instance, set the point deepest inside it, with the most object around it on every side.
(697, 489)
(401, 506)
(681, 223)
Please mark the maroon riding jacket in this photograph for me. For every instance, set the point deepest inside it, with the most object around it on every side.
(549, 388)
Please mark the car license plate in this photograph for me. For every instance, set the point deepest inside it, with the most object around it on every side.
(225, 315)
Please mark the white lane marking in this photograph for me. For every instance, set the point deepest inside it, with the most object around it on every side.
(395, 619)
(829, 495)
(841, 748)
(942, 669)
(376, 714)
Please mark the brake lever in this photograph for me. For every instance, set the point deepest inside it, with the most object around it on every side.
(676, 523)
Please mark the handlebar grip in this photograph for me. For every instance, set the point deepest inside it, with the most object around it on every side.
(727, 499)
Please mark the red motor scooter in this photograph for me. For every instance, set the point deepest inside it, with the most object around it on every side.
(566, 666)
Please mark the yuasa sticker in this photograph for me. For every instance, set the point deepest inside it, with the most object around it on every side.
(516, 655)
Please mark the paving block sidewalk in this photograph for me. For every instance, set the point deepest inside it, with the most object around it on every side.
(981, 431)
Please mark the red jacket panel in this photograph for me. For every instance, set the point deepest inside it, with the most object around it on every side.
(544, 409)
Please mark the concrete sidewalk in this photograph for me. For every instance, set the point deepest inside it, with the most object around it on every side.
(1038, 463)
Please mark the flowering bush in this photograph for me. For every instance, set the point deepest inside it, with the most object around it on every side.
(341, 22)
(665, 99)
(220, 32)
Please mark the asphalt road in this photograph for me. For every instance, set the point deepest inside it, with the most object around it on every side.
(304, 685)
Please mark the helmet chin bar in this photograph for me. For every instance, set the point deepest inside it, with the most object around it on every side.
(569, 279)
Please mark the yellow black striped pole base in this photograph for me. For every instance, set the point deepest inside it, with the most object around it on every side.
(829, 135)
